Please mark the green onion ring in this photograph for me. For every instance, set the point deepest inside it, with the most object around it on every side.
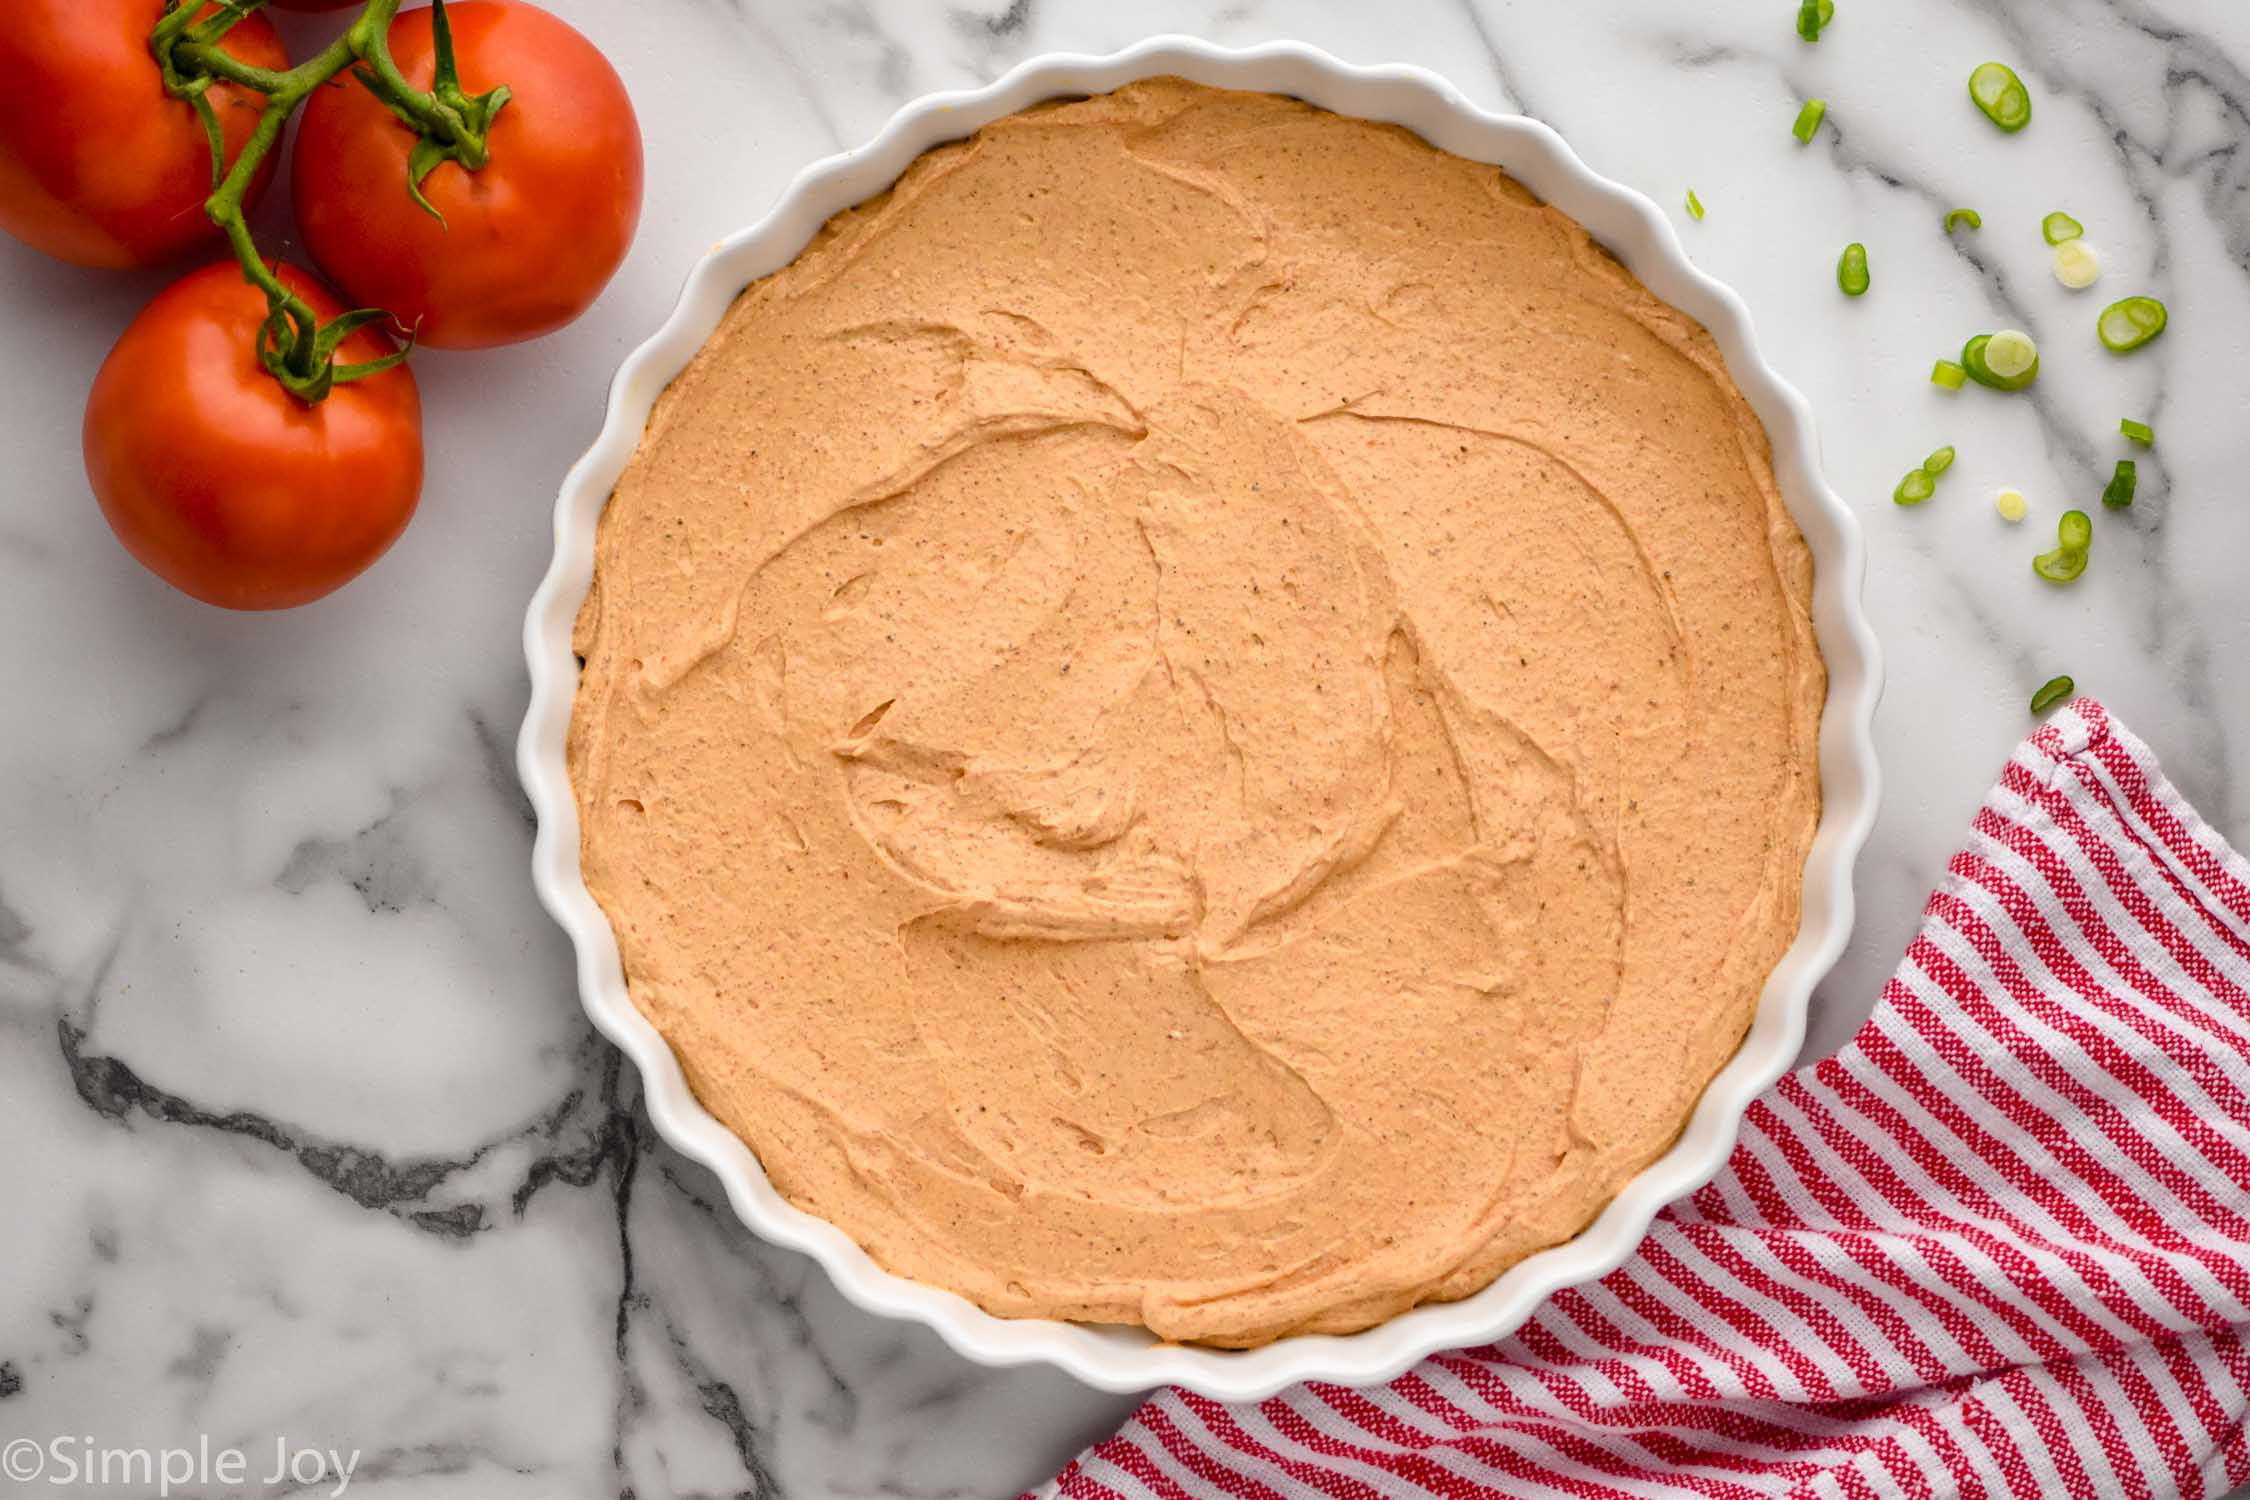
(2059, 226)
(2061, 565)
(1974, 361)
(2010, 355)
(1968, 216)
(1948, 374)
(1694, 206)
(1916, 487)
(2001, 95)
(2075, 531)
(2130, 323)
(1939, 462)
(1851, 270)
(1808, 120)
(2053, 692)
(2078, 264)
(2139, 432)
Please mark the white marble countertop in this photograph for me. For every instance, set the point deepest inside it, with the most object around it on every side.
(307, 1140)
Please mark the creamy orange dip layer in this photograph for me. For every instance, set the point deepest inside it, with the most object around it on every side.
(1202, 716)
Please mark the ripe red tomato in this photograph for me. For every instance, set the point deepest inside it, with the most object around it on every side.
(225, 485)
(532, 237)
(98, 165)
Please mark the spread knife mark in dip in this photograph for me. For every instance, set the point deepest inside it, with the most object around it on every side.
(1202, 716)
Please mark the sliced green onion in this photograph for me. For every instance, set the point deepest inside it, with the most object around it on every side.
(1808, 120)
(1948, 374)
(2076, 533)
(2139, 432)
(2001, 95)
(2131, 323)
(2059, 226)
(2119, 492)
(2006, 361)
(1968, 216)
(2011, 505)
(2055, 690)
(2078, 264)
(1851, 270)
(1694, 206)
(2010, 354)
(1812, 15)
(1920, 484)
(1972, 359)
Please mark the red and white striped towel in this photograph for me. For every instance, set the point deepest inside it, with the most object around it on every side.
(1997, 1246)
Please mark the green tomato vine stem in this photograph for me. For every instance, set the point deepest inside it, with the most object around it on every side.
(294, 346)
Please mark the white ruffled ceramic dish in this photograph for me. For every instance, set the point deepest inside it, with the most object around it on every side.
(1631, 226)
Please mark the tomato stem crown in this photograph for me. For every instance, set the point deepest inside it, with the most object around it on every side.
(453, 125)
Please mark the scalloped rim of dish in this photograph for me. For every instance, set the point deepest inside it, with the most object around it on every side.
(1122, 1359)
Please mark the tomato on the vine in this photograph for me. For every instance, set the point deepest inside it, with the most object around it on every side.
(98, 164)
(530, 238)
(221, 482)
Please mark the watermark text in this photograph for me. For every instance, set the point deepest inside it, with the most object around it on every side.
(76, 1459)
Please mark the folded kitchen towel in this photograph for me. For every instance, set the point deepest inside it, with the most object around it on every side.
(1997, 1246)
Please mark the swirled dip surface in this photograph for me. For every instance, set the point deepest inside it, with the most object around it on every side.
(1202, 716)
